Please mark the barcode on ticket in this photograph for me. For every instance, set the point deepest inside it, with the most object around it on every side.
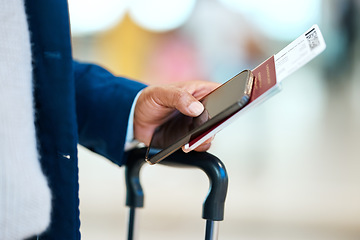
(312, 38)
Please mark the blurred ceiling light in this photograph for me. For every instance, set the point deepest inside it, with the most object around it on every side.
(161, 15)
(91, 16)
(279, 19)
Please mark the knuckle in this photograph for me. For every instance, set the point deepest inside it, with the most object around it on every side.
(180, 95)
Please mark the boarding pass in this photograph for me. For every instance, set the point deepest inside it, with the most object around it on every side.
(270, 74)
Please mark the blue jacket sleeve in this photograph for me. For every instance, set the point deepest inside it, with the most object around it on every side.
(103, 104)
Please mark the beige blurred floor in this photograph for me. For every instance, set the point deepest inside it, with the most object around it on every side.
(293, 166)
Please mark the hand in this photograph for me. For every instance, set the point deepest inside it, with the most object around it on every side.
(156, 103)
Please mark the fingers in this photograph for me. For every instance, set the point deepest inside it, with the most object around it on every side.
(198, 88)
(184, 96)
(203, 147)
(156, 103)
(181, 99)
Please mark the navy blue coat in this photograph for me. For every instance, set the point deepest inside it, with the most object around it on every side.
(74, 103)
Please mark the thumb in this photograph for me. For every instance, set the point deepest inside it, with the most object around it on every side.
(194, 109)
(182, 100)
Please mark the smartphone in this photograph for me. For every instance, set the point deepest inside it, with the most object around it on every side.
(219, 104)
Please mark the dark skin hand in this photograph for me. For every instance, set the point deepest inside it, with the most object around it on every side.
(156, 103)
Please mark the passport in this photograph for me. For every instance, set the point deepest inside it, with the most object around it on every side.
(265, 78)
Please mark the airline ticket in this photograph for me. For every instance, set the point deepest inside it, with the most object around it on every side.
(269, 74)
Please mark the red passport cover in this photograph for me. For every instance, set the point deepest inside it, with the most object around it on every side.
(265, 78)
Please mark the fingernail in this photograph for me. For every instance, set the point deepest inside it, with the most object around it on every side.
(196, 108)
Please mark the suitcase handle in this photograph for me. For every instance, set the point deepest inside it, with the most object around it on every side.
(213, 206)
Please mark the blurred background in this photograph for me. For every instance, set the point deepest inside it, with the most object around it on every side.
(293, 162)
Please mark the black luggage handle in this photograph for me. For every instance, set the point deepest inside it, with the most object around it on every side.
(213, 207)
